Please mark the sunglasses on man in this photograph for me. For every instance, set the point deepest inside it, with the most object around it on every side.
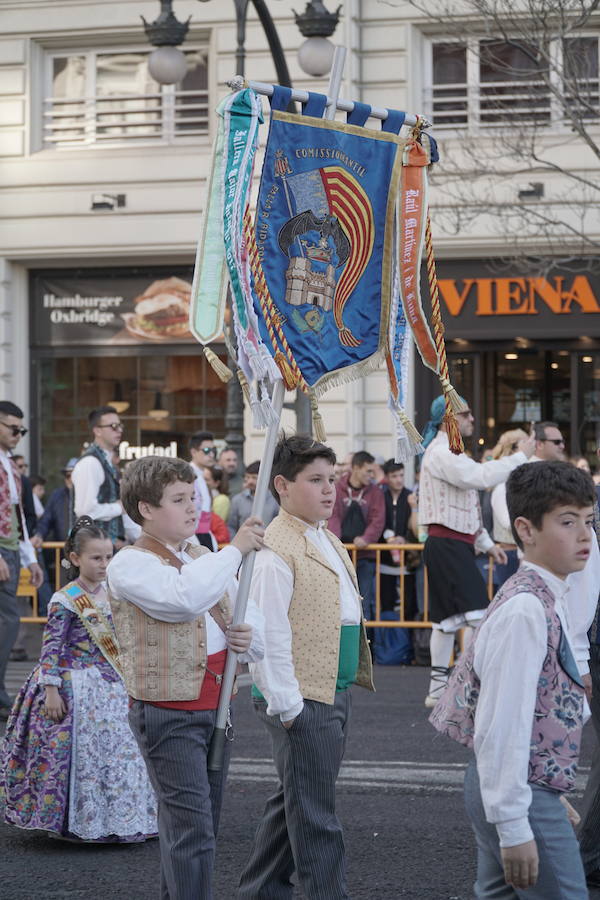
(116, 426)
(210, 451)
(559, 442)
(15, 429)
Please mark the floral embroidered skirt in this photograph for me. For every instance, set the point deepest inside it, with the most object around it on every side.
(82, 777)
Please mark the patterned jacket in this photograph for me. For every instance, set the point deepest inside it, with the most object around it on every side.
(558, 716)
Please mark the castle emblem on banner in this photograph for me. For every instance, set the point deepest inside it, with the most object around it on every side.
(328, 240)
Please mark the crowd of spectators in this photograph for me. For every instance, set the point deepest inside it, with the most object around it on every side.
(373, 505)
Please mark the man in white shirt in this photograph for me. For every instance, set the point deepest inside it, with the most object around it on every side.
(449, 508)
(95, 479)
(15, 546)
(203, 452)
(549, 442)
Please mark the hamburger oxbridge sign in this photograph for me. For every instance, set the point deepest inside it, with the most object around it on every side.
(121, 306)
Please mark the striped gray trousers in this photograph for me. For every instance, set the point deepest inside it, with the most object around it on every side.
(589, 829)
(299, 830)
(174, 744)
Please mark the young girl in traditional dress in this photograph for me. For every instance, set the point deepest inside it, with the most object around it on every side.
(69, 763)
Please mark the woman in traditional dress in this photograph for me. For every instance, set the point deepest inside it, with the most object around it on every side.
(69, 764)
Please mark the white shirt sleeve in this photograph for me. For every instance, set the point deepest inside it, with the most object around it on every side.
(272, 588)
(26, 553)
(499, 507)
(131, 528)
(581, 603)
(88, 476)
(167, 594)
(483, 542)
(463, 472)
(255, 618)
(509, 654)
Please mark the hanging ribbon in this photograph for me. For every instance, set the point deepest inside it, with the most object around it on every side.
(209, 294)
(242, 116)
(413, 223)
(408, 439)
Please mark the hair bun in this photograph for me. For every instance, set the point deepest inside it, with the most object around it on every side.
(82, 522)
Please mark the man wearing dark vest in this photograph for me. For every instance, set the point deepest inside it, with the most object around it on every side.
(15, 546)
(95, 479)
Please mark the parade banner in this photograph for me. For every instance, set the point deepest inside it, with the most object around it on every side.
(323, 246)
(222, 244)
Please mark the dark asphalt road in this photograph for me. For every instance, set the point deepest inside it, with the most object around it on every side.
(399, 800)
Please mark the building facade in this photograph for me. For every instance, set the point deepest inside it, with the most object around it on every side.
(102, 186)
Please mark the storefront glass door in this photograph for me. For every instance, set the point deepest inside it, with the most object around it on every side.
(513, 388)
(588, 396)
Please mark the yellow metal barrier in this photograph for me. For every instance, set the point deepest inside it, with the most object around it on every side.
(402, 622)
(26, 589)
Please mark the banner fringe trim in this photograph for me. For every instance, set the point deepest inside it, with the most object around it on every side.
(349, 374)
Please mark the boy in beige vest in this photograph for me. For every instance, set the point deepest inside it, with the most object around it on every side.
(315, 648)
(171, 603)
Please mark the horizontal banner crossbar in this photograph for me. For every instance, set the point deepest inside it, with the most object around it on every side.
(261, 87)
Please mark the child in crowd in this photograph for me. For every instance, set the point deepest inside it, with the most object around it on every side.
(315, 648)
(171, 602)
(69, 763)
(218, 485)
(516, 696)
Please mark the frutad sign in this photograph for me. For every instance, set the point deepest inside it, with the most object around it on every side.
(477, 299)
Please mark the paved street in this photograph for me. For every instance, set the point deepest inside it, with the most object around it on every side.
(399, 799)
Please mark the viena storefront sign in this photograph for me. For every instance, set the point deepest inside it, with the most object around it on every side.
(484, 302)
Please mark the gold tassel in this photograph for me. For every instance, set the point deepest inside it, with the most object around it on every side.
(456, 403)
(318, 426)
(218, 366)
(287, 373)
(412, 433)
(244, 386)
(452, 430)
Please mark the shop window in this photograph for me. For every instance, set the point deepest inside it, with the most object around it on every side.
(589, 406)
(101, 97)
(520, 385)
(488, 83)
(164, 398)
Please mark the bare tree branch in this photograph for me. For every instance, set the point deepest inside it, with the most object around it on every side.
(538, 111)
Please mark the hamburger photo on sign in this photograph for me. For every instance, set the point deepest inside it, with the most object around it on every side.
(162, 312)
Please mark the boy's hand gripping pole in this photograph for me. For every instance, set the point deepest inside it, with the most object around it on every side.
(217, 744)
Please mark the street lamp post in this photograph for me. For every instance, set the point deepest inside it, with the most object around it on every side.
(167, 66)
(317, 25)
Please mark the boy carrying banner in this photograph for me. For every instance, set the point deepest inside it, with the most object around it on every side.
(171, 604)
(315, 648)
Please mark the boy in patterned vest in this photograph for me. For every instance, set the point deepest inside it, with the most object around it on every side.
(315, 649)
(516, 697)
(171, 605)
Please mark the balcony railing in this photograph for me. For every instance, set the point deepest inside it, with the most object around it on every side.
(166, 117)
(500, 103)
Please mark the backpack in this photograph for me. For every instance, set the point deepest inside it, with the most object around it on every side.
(353, 523)
(392, 646)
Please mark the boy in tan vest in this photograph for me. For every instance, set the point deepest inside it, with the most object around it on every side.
(315, 648)
(171, 603)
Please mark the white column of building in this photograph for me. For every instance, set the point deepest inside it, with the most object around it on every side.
(14, 338)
